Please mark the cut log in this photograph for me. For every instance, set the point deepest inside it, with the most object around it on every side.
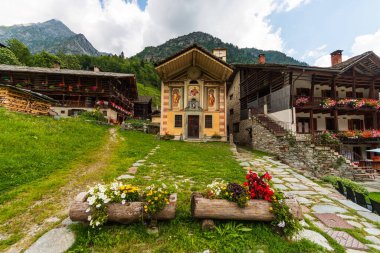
(256, 210)
(128, 213)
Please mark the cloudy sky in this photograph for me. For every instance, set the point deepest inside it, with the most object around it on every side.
(307, 30)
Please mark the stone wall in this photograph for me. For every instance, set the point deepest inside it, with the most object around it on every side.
(302, 155)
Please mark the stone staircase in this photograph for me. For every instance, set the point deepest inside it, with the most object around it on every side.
(271, 125)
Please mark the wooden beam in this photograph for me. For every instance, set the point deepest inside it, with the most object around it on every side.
(354, 84)
(372, 90)
(312, 88)
(374, 120)
(335, 112)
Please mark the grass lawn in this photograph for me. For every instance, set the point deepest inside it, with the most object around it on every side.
(37, 155)
(190, 167)
(375, 196)
(148, 90)
(31, 148)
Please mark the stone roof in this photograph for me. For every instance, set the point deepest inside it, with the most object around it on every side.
(13, 68)
(143, 100)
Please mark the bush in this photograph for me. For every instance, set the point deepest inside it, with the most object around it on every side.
(95, 115)
(345, 182)
(216, 137)
(167, 137)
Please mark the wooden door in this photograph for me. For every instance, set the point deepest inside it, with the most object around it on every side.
(303, 125)
(193, 126)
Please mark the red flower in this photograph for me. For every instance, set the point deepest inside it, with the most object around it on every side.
(245, 183)
(267, 176)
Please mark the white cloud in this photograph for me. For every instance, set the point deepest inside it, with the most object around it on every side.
(367, 42)
(122, 26)
(314, 53)
(288, 5)
(325, 60)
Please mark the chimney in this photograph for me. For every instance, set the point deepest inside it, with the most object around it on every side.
(56, 65)
(221, 53)
(96, 69)
(261, 58)
(336, 57)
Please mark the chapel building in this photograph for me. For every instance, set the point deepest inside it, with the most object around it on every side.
(193, 94)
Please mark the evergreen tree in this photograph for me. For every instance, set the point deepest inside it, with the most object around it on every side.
(8, 57)
(20, 50)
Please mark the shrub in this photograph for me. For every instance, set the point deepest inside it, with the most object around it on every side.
(345, 182)
(216, 137)
(93, 115)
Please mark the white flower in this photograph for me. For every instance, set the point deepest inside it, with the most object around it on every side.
(89, 218)
(123, 202)
(281, 224)
(97, 223)
(123, 195)
(107, 200)
(164, 186)
(88, 210)
(91, 200)
(98, 205)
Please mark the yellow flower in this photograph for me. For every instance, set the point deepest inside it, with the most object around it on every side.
(145, 207)
(270, 208)
(155, 198)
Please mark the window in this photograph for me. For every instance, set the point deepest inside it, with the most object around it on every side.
(63, 112)
(350, 94)
(178, 121)
(303, 92)
(231, 96)
(236, 127)
(231, 111)
(208, 121)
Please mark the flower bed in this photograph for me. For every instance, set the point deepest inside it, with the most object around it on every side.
(123, 203)
(351, 102)
(302, 101)
(252, 200)
(356, 134)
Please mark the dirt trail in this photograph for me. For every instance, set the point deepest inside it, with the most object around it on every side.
(80, 177)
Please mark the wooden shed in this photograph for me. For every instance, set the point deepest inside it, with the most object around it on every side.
(142, 107)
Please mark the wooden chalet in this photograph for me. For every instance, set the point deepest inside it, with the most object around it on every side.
(77, 90)
(193, 91)
(143, 107)
(25, 101)
(310, 100)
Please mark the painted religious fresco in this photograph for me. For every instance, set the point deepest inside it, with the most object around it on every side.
(177, 98)
(211, 99)
(193, 93)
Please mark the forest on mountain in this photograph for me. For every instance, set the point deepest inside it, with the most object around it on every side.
(19, 54)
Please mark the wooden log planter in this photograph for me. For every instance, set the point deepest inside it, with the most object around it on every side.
(220, 209)
(128, 213)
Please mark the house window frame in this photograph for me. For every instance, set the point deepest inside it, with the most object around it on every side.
(178, 121)
(208, 121)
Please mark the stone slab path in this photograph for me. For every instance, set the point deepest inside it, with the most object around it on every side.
(322, 205)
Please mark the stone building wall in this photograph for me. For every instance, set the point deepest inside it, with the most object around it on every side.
(303, 155)
(241, 137)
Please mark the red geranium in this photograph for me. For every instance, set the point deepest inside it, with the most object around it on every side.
(258, 186)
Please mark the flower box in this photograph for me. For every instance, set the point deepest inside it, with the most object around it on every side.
(221, 209)
(122, 213)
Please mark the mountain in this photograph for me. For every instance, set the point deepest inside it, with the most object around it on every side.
(234, 54)
(52, 36)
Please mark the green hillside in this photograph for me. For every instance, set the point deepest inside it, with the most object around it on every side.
(234, 53)
(149, 90)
